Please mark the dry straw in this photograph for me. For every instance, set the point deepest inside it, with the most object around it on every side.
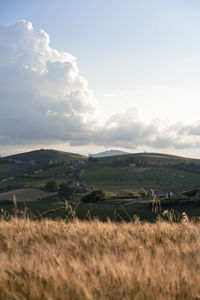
(93, 260)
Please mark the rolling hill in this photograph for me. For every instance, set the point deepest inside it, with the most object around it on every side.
(46, 155)
(117, 175)
(36, 168)
(119, 172)
(106, 157)
(151, 158)
(148, 170)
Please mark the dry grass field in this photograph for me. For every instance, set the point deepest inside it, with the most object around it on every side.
(93, 260)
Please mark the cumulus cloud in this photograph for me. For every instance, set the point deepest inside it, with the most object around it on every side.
(128, 131)
(43, 97)
(42, 93)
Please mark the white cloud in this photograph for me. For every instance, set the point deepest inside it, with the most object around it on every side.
(42, 93)
(128, 130)
(44, 99)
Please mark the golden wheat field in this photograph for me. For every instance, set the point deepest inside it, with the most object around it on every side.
(93, 260)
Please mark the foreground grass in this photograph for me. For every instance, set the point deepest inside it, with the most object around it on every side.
(93, 260)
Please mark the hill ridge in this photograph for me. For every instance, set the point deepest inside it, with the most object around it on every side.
(46, 154)
(29, 155)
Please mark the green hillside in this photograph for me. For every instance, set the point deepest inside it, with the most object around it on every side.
(114, 173)
(117, 175)
(147, 170)
(162, 178)
(36, 168)
(47, 155)
(149, 158)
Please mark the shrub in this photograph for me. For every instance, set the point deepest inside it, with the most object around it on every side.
(65, 191)
(94, 196)
(191, 193)
(128, 195)
(143, 192)
(51, 186)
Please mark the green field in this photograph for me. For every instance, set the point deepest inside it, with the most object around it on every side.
(19, 182)
(111, 178)
(112, 174)
(153, 170)
(53, 208)
(10, 170)
(52, 172)
(24, 195)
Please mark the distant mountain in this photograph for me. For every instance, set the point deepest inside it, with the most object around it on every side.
(108, 153)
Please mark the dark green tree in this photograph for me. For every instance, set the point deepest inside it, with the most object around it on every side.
(51, 186)
(92, 160)
(65, 191)
(142, 192)
(94, 196)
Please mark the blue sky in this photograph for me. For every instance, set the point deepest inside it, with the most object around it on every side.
(128, 42)
(141, 54)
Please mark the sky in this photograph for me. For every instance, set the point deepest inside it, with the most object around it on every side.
(87, 76)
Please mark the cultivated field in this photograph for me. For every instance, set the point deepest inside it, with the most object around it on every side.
(114, 179)
(93, 260)
(152, 170)
(24, 195)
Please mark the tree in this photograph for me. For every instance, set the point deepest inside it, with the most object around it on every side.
(65, 191)
(94, 196)
(51, 186)
(142, 192)
(191, 193)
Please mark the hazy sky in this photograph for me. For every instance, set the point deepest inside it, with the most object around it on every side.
(88, 75)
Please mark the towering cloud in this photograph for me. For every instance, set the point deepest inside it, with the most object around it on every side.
(44, 98)
(42, 94)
